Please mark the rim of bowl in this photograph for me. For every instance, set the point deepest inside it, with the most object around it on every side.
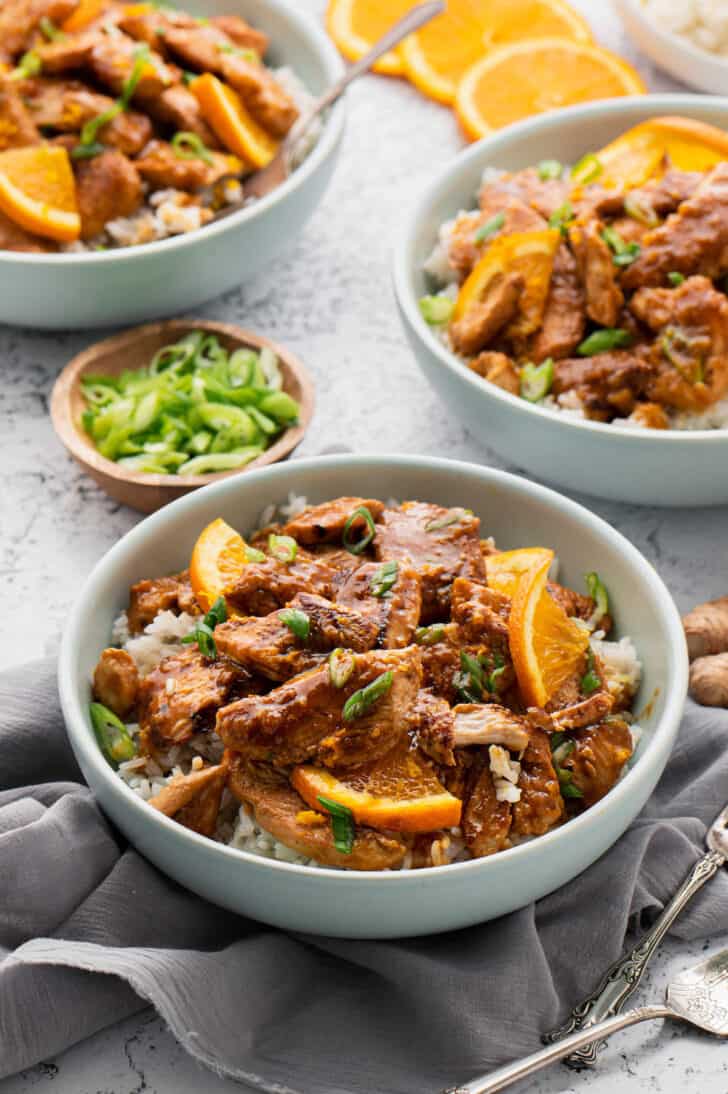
(675, 685)
(307, 29)
(487, 149)
(677, 41)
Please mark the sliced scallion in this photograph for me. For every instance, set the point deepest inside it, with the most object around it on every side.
(491, 226)
(112, 735)
(601, 341)
(284, 548)
(453, 516)
(342, 824)
(549, 169)
(436, 310)
(675, 278)
(562, 217)
(190, 146)
(298, 622)
(50, 31)
(587, 170)
(536, 380)
(598, 593)
(590, 681)
(361, 701)
(353, 546)
(430, 636)
(341, 666)
(30, 64)
(384, 578)
(640, 210)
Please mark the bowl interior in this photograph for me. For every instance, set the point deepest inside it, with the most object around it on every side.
(513, 510)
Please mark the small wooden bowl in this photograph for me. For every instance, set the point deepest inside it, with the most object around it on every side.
(133, 349)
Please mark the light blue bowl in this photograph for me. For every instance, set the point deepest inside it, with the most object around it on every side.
(133, 284)
(385, 904)
(648, 467)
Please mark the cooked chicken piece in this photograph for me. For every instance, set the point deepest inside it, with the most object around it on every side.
(194, 800)
(116, 681)
(161, 594)
(264, 586)
(464, 249)
(303, 719)
(600, 753)
(584, 713)
(107, 186)
(600, 381)
(66, 105)
(181, 696)
(198, 47)
(662, 196)
(597, 273)
(541, 805)
(160, 166)
(480, 612)
(15, 238)
(268, 102)
(488, 724)
(66, 54)
(17, 127)
(578, 606)
(279, 810)
(395, 613)
(498, 369)
(486, 821)
(440, 544)
(651, 416)
(564, 319)
(543, 195)
(441, 661)
(434, 727)
(630, 230)
(489, 315)
(268, 646)
(152, 26)
(178, 108)
(112, 62)
(325, 523)
(693, 240)
(19, 18)
(241, 33)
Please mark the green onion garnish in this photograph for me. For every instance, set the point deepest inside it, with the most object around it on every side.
(566, 785)
(641, 211)
(355, 547)
(675, 278)
(598, 593)
(252, 554)
(189, 77)
(683, 353)
(537, 380)
(384, 578)
(562, 751)
(556, 739)
(141, 57)
(549, 169)
(50, 31)
(469, 682)
(297, 622)
(360, 702)
(203, 636)
(499, 667)
(341, 665)
(587, 170)
(342, 824)
(562, 217)
(217, 613)
(430, 636)
(189, 146)
(30, 65)
(90, 130)
(87, 151)
(436, 310)
(284, 548)
(624, 253)
(112, 735)
(590, 681)
(601, 341)
(453, 516)
(491, 226)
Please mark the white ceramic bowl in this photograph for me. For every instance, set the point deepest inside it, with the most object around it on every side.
(648, 467)
(130, 285)
(677, 55)
(384, 904)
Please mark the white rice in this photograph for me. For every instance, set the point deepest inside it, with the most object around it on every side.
(703, 22)
(622, 666)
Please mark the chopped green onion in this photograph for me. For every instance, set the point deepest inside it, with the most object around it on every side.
(50, 31)
(556, 739)
(587, 170)
(342, 824)
(566, 784)
(142, 57)
(384, 578)
(237, 51)
(628, 255)
(355, 547)
(491, 226)
(252, 554)
(549, 169)
(87, 152)
(469, 682)
(675, 278)
(30, 64)
(430, 636)
(493, 681)
(298, 622)
(189, 146)
(280, 406)
(90, 130)
(213, 462)
(536, 380)
(562, 751)
(683, 352)
(624, 253)
(641, 211)
(284, 548)
(360, 702)
(203, 636)
(562, 217)
(112, 735)
(453, 516)
(217, 613)
(598, 593)
(590, 681)
(189, 77)
(436, 310)
(341, 665)
(601, 341)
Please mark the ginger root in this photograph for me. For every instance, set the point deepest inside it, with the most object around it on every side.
(709, 680)
(706, 630)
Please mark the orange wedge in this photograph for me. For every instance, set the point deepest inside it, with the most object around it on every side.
(639, 154)
(85, 13)
(437, 56)
(504, 569)
(539, 74)
(355, 25)
(224, 111)
(38, 191)
(397, 792)
(218, 556)
(546, 646)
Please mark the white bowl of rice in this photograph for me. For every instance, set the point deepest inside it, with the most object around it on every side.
(687, 38)
(186, 264)
(243, 868)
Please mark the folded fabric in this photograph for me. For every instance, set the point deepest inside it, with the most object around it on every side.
(91, 932)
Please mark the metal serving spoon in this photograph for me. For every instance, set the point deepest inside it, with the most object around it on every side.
(278, 170)
(698, 996)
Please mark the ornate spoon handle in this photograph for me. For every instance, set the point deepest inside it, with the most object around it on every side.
(622, 979)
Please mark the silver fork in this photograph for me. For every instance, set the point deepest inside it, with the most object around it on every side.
(624, 976)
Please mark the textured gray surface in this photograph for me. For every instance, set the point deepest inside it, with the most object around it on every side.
(331, 301)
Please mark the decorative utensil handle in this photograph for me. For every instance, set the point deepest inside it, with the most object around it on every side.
(519, 1069)
(624, 976)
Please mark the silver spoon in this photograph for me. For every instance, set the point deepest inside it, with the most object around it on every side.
(278, 170)
(698, 996)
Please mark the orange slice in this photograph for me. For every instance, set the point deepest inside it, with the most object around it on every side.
(38, 191)
(546, 646)
(223, 109)
(639, 154)
(397, 792)
(529, 253)
(217, 559)
(540, 74)
(504, 569)
(355, 26)
(437, 56)
(85, 13)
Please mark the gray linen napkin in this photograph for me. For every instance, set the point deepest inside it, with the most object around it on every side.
(91, 932)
